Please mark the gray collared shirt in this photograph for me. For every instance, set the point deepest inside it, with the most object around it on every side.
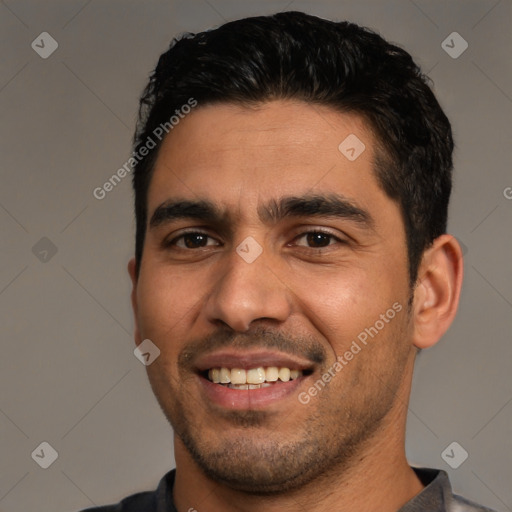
(437, 496)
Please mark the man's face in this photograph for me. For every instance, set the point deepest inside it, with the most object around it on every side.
(233, 280)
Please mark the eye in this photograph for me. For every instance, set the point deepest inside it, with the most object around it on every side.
(192, 240)
(318, 239)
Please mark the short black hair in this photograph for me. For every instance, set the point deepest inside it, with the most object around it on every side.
(293, 55)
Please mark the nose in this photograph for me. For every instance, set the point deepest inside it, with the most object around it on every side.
(244, 292)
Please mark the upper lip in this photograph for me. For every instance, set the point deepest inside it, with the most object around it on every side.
(251, 359)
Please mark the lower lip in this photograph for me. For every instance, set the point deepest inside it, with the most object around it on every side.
(243, 399)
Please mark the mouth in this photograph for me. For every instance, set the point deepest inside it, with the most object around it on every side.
(241, 381)
(253, 378)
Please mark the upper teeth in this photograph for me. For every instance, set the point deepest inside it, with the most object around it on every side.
(252, 376)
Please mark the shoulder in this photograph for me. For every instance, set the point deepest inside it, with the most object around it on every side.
(460, 504)
(148, 501)
(141, 502)
(438, 495)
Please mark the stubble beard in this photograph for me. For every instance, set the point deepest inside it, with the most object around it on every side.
(249, 453)
(257, 460)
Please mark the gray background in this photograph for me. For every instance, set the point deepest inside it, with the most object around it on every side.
(68, 375)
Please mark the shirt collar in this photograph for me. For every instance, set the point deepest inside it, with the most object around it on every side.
(436, 494)
(434, 497)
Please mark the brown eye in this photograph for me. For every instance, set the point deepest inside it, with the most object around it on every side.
(317, 239)
(193, 240)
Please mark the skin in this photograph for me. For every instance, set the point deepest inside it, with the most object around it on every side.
(344, 449)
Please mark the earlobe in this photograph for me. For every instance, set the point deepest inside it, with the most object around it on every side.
(133, 277)
(436, 296)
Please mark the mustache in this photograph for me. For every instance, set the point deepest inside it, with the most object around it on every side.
(260, 337)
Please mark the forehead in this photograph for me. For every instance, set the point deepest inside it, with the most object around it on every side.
(226, 152)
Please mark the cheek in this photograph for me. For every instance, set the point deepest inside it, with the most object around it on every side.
(164, 299)
(343, 304)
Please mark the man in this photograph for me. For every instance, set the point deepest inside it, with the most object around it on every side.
(292, 178)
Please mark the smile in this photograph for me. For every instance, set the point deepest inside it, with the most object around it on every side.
(252, 378)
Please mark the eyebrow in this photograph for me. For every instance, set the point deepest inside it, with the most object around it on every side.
(171, 210)
(331, 205)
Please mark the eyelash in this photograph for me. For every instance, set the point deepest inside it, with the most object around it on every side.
(172, 242)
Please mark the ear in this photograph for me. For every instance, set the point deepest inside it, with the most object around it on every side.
(436, 296)
(133, 276)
